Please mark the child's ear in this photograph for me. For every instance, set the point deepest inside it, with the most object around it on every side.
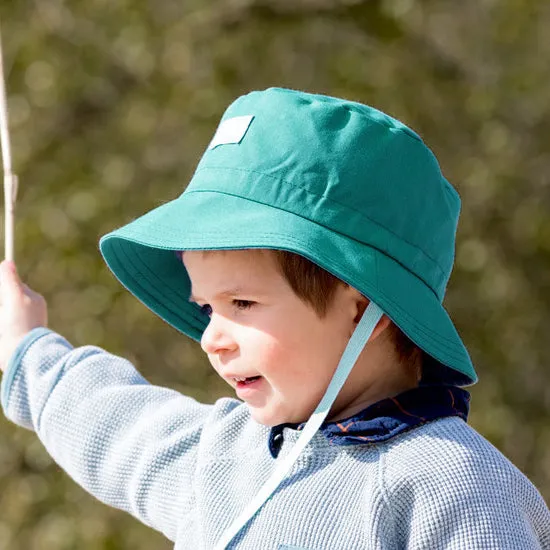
(361, 306)
(360, 303)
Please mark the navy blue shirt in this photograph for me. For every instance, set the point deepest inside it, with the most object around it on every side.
(387, 418)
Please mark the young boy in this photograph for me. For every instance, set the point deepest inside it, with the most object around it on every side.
(312, 226)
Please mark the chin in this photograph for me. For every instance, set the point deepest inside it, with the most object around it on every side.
(266, 418)
(271, 419)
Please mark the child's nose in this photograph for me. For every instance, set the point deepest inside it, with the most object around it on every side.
(217, 336)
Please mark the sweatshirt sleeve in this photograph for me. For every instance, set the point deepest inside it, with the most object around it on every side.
(129, 443)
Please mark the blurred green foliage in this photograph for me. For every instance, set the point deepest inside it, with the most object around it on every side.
(111, 105)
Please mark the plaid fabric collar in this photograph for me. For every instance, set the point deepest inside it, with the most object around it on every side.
(387, 418)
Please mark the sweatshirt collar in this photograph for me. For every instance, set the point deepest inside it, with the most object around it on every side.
(387, 418)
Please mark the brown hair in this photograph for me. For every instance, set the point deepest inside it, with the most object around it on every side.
(317, 287)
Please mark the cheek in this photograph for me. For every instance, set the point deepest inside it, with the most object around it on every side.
(293, 349)
(271, 352)
(292, 356)
(317, 349)
(257, 346)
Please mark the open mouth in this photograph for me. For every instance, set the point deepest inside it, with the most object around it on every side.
(245, 381)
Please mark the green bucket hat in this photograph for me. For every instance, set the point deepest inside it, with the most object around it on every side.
(345, 185)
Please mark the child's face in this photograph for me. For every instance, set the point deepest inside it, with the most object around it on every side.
(259, 327)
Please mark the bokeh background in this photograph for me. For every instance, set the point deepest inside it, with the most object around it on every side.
(111, 105)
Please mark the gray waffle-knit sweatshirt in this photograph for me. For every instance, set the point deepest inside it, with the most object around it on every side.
(187, 469)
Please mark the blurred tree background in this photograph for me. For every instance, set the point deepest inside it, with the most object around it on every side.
(112, 103)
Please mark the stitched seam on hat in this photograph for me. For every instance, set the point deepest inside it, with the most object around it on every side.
(311, 221)
(314, 195)
(168, 229)
(439, 341)
(149, 273)
(144, 270)
(421, 328)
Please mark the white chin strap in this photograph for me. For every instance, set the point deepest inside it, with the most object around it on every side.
(357, 342)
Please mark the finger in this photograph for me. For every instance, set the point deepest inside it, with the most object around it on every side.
(9, 280)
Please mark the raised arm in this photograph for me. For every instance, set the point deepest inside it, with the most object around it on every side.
(130, 444)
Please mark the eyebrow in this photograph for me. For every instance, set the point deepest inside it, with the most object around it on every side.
(230, 293)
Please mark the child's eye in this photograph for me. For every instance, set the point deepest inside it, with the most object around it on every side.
(206, 309)
(243, 304)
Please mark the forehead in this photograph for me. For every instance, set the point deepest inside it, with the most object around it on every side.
(242, 257)
(231, 269)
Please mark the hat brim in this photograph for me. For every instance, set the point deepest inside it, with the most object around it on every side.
(141, 255)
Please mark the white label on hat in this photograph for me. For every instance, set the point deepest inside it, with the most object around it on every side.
(231, 130)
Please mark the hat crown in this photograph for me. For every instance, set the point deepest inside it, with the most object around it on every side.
(346, 166)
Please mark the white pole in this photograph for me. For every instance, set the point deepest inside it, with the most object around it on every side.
(10, 179)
